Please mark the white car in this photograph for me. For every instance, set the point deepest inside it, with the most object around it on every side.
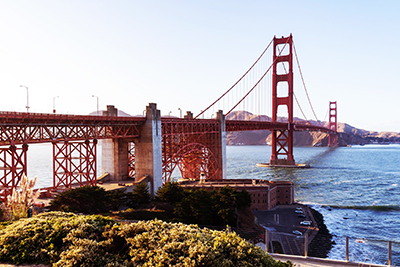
(298, 211)
(305, 223)
(297, 232)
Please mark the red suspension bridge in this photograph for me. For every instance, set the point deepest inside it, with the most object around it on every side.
(155, 146)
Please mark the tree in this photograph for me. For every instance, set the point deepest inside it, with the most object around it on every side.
(171, 192)
(86, 199)
(140, 195)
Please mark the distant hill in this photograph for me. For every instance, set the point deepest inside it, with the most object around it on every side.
(120, 113)
(348, 135)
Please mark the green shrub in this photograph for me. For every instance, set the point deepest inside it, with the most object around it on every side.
(42, 238)
(157, 243)
(140, 196)
(85, 199)
(171, 192)
(200, 206)
(69, 240)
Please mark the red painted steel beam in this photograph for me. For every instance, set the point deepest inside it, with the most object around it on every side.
(18, 128)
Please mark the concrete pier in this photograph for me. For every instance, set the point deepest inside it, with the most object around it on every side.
(148, 149)
(148, 152)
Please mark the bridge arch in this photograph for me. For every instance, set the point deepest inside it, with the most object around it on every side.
(192, 160)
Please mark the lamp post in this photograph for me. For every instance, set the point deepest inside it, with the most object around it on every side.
(54, 104)
(169, 114)
(97, 104)
(27, 98)
(180, 112)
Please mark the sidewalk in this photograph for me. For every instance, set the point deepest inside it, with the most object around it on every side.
(300, 261)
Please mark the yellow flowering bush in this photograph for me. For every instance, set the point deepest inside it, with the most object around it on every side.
(69, 240)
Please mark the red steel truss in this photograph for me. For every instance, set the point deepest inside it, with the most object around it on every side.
(19, 128)
(193, 146)
(282, 140)
(333, 124)
(13, 166)
(70, 135)
(74, 163)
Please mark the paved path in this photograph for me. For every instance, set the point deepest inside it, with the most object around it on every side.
(300, 261)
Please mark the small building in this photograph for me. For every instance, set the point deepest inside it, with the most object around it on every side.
(265, 194)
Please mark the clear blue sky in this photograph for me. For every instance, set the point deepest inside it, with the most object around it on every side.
(184, 54)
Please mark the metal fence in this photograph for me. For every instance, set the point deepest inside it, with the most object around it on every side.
(349, 249)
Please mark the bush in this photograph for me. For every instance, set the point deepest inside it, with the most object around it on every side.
(217, 207)
(171, 192)
(70, 240)
(85, 199)
(42, 238)
(140, 195)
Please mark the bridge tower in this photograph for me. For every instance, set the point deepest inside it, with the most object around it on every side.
(333, 124)
(282, 140)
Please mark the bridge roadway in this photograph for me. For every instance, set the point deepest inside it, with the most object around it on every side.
(19, 128)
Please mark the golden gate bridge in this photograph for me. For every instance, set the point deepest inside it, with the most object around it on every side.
(154, 146)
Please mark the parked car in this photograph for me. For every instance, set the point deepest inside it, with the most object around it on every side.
(298, 211)
(305, 223)
(301, 216)
(297, 232)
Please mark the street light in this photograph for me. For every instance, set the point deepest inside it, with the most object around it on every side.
(27, 98)
(54, 103)
(97, 104)
(169, 114)
(180, 110)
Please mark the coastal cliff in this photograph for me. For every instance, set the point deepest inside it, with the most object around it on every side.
(348, 135)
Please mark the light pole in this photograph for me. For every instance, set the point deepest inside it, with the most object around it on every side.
(27, 98)
(169, 114)
(54, 103)
(97, 104)
(180, 110)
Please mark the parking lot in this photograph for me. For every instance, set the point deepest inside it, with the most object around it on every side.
(288, 225)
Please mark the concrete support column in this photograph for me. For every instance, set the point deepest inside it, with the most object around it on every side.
(115, 158)
(221, 118)
(148, 150)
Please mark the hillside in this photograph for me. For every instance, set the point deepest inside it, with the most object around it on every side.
(348, 135)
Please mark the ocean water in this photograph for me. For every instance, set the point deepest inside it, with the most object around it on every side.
(357, 189)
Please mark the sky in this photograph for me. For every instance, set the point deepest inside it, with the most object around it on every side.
(185, 54)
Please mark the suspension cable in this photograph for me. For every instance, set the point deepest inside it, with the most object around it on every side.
(304, 85)
(262, 77)
(265, 50)
(295, 97)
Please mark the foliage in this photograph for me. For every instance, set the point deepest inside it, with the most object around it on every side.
(143, 214)
(140, 195)
(65, 239)
(116, 198)
(20, 201)
(42, 238)
(157, 243)
(171, 192)
(85, 199)
(217, 207)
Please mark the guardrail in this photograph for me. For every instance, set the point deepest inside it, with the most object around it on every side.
(302, 242)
